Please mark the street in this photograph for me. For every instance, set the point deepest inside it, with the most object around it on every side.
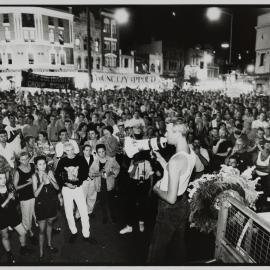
(112, 248)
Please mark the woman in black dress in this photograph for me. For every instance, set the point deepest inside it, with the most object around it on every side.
(23, 183)
(44, 187)
(9, 217)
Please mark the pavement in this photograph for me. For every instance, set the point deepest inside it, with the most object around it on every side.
(112, 248)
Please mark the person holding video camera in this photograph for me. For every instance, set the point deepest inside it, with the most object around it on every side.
(139, 188)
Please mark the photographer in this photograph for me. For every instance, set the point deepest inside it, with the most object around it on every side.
(139, 188)
(104, 170)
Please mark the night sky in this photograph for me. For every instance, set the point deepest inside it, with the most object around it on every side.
(190, 26)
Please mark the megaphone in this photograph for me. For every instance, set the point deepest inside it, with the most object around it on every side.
(133, 146)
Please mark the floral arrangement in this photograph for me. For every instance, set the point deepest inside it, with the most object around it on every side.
(208, 192)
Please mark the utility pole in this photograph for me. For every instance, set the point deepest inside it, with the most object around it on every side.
(89, 47)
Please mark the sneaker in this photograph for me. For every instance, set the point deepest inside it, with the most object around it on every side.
(25, 250)
(90, 240)
(141, 226)
(73, 238)
(127, 229)
(10, 258)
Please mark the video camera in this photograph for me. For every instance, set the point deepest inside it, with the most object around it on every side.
(133, 146)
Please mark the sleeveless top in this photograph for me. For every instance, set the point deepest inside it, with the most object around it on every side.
(184, 178)
(25, 193)
(264, 163)
(48, 192)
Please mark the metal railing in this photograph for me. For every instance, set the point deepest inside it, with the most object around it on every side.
(242, 235)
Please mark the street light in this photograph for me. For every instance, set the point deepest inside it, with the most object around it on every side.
(121, 15)
(214, 14)
(225, 45)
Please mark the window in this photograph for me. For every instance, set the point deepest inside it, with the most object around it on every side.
(172, 65)
(262, 57)
(53, 59)
(98, 63)
(29, 35)
(86, 62)
(113, 27)
(9, 56)
(32, 35)
(30, 58)
(158, 65)
(5, 18)
(62, 59)
(107, 45)
(97, 45)
(110, 61)
(85, 43)
(28, 20)
(126, 62)
(60, 23)
(51, 36)
(106, 28)
(201, 65)
(79, 62)
(26, 35)
(1, 60)
(77, 43)
(61, 37)
(152, 68)
(7, 34)
(51, 21)
(113, 46)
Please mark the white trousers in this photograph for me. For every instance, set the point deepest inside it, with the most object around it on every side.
(90, 195)
(69, 196)
(28, 212)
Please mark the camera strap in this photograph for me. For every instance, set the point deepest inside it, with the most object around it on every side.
(149, 144)
(158, 143)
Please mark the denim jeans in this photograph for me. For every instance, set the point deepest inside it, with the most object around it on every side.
(168, 245)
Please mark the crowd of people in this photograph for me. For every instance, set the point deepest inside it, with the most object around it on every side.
(61, 148)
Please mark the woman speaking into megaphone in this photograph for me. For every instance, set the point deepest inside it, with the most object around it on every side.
(173, 207)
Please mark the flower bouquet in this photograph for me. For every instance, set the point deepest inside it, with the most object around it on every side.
(207, 193)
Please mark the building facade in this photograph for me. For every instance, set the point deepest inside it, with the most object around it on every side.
(126, 62)
(165, 59)
(109, 40)
(35, 38)
(200, 64)
(81, 40)
(262, 48)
